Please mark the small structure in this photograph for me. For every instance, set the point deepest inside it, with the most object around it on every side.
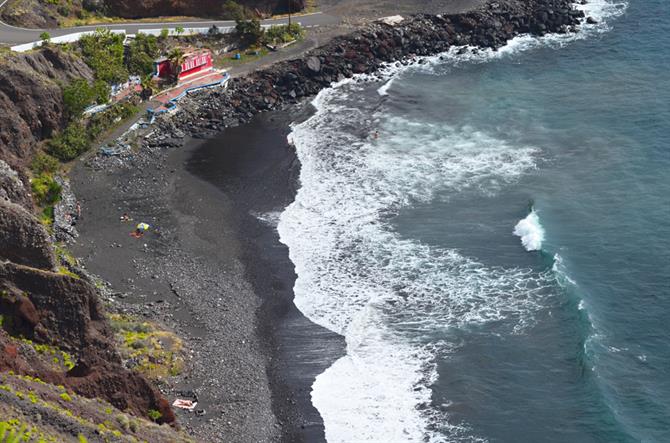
(192, 63)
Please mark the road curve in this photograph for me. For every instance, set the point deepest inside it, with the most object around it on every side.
(13, 35)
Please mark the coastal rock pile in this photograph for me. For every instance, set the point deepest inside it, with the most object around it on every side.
(368, 49)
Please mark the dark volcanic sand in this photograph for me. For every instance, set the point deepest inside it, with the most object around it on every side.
(255, 166)
(215, 274)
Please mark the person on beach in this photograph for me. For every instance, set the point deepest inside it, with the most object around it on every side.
(125, 217)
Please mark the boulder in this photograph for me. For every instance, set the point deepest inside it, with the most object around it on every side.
(23, 239)
(12, 188)
(314, 64)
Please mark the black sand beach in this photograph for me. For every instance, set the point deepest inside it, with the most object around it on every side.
(210, 268)
(215, 273)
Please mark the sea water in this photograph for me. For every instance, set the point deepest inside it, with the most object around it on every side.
(490, 232)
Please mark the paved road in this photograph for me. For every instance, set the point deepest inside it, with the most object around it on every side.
(14, 36)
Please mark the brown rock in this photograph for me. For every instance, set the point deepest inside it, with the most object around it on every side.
(31, 99)
(23, 239)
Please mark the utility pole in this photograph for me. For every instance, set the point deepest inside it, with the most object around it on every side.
(289, 14)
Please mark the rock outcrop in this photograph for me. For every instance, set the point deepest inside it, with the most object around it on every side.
(47, 14)
(364, 52)
(23, 239)
(31, 101)
(201, 8)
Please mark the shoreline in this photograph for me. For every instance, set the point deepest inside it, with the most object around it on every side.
(207, 228)
(261, 175)
(278, 401)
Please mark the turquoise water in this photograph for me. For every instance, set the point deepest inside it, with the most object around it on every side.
(456, 330)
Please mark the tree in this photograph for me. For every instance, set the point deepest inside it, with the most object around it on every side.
(176, 57)
(233, 11)
(103, 51)
(141, 54)
(76, 97)
(147, 87)
(249, 31)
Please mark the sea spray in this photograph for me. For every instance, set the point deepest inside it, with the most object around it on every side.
(531, 232)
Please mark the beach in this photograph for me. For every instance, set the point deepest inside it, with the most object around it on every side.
(214, 272)
(211, 266)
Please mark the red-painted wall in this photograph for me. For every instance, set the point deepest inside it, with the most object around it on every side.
(196, 63)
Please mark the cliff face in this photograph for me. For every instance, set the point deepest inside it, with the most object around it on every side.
(201, 8)
(44, 308)
(52, 323)
(41, 14)
(31, 101)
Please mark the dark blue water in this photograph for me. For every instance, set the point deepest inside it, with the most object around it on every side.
(566, 343)
(599, 110)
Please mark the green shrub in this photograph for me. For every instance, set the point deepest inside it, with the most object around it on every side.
(70, 143)
(102, 121)
(45, 37)
(101, 91)
(141, 54)
(45, 189)
(249, 31)
(283, 33)
(154, 414)
(103, 52)
(65, 396)
(77, 96)
(44, 163)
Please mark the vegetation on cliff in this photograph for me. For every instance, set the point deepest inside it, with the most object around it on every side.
(59, 358)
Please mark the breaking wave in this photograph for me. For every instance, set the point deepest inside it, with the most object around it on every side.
(531, 232)
(385, 294)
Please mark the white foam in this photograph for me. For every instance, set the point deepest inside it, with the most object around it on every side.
(383, 293)
(268, 218)
(360, 279)
(531, 232)
(383, 90)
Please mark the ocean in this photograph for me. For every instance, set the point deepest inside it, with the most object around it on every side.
(490, 232)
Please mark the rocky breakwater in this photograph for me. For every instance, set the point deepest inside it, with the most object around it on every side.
(365, 52)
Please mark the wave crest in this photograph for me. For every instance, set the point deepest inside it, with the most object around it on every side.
(531, 232)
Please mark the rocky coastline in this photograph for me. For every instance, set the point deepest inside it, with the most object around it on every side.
(204, 115)
(169, 281)
(364, 52)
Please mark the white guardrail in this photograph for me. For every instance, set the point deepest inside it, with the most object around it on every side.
(69, 38)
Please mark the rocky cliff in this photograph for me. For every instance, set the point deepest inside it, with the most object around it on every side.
(201, 8)
(53, 328)
(31, 101)
(50, 14)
